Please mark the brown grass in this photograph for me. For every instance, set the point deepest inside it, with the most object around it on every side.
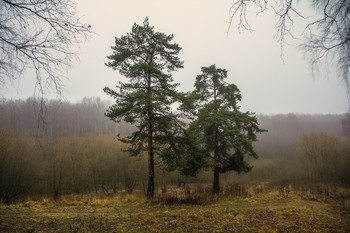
(178, 211)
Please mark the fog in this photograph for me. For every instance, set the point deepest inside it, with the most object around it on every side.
(79, 141)
(269, 84)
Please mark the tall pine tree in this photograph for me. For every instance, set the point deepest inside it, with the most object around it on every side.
(146, 58)
(224, 134)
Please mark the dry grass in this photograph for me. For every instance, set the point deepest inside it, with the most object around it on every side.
(264, 212)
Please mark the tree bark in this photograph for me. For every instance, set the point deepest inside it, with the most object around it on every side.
(150, 187)
(216, 182)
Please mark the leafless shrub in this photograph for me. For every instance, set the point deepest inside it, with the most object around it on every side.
(236, 189)
(261, 188)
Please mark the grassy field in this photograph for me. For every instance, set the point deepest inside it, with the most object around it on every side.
(268, 212)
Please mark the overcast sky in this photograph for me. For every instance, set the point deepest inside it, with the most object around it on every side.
(268, 85)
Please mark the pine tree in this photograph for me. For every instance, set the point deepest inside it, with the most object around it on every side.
(146, 58)
(224, 134)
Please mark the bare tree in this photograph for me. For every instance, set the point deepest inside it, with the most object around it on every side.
(38, 35)
(327, 38)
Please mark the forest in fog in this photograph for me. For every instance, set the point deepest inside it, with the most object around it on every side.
(71, 148)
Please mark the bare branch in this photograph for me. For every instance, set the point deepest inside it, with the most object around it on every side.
(286, 14)
(39, 35)
(284, 9)
(327, 39)
(239, 8)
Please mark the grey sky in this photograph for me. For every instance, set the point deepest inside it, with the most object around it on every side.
(199, 26)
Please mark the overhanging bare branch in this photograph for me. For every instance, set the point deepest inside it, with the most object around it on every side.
(327, 38)
(39, 35)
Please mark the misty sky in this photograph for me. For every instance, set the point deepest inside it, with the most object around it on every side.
(268, 85)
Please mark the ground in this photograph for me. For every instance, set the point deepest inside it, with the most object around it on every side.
(267, 212)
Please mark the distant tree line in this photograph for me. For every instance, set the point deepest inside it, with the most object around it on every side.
(60, 118)
(66, 165)
(87, 117)
(83, 156)
(286, 129)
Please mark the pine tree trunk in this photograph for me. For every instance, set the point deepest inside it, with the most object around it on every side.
(150, 187)
(216, 182)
